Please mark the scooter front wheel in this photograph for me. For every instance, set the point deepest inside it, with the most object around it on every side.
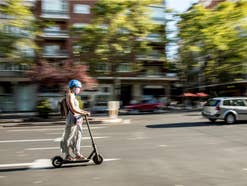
(57, 161)
(98, 159)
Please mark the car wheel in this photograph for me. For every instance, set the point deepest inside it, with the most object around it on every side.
(212, 120)
(230, 119)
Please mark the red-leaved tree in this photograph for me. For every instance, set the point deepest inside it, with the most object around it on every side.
(46, 74)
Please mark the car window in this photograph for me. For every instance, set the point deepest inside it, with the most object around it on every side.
(245, 102)
(238, 102)
(212, 102)
(227, 102)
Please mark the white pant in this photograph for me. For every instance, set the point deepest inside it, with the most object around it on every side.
(71, 139)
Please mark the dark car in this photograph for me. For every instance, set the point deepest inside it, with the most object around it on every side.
(145, 106)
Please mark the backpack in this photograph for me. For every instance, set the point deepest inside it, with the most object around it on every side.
(63, 107)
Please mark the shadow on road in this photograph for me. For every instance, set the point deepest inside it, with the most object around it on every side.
(177, 125)
(193, 124)
(46, 168)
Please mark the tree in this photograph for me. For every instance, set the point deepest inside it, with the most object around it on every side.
(60, 76)
(118, 34)
(213, 42)
(17, 31)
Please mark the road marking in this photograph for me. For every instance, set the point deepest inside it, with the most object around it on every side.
(112, 159)
(163, 145)
(52, 148)
(46, 129)
(42, 163)
(41, 140)
(15, 165)
(85, 138)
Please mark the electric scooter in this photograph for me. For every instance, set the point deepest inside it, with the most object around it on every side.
(58, 161)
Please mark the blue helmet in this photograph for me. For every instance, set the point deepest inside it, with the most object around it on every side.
(75, 83)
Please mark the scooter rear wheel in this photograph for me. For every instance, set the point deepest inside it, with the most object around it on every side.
(57, 161)
(98, 159)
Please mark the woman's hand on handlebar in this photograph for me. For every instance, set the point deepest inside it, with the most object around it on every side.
(87, 113)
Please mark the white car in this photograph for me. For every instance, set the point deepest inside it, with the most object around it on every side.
(229, 109)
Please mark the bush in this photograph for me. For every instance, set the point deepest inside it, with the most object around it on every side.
(43, 108)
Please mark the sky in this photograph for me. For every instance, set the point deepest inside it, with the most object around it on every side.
(178, 6)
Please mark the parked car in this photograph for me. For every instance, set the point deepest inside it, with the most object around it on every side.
(100, 107)
(229, 109)
(145, 105)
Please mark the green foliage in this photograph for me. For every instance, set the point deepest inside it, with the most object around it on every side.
(16, 32)
(43, 108)
(215, 41)
(81, 105)
(117, 34)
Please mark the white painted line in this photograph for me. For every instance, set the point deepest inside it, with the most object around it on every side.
(25, 140)
(15, 165)
(52, 148)
(163, 145)
(41, 163)
(111, 159)
(85, 138)
(42, 140)
(46, 129)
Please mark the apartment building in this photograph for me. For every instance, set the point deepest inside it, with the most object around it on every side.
(56, 46)
(17, 93)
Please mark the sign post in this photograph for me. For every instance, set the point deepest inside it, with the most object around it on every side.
(113, 108)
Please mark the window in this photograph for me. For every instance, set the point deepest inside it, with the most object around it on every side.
(81, 9)
(51, 49)
(52, 28)
(124, 67)
(54, 6)
(102, 67)
(153, 71)
(238, 102)
(227, 103)
(212, 102)
(79, 25)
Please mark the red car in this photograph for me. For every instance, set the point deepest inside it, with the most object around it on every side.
(144, 106)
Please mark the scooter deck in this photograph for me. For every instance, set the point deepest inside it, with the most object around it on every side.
(76, 161)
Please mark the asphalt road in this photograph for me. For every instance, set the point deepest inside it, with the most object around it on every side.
(170, 149)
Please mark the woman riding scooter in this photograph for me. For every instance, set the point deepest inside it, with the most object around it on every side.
(71, 139)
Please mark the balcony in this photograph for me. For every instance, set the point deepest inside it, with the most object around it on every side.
(55, 14)
(61, 54)
(9, 69)
(58, 34)
(151, 57)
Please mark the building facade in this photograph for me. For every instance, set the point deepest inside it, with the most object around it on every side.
(56, 46)
(17, 92)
